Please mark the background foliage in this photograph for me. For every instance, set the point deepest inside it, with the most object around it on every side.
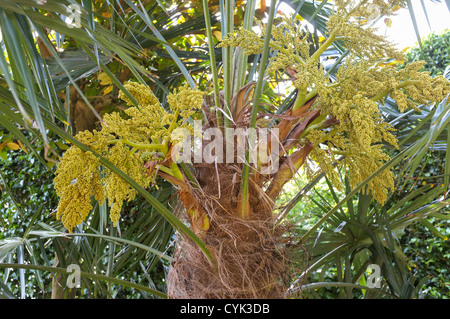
(427, 249)
(435, 51)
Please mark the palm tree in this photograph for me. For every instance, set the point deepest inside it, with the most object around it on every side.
(233, 241)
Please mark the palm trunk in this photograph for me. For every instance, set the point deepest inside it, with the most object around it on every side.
(249, 261)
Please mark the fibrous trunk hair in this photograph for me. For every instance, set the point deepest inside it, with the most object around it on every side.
(250, 261)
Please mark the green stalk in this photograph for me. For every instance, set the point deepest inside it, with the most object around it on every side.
(87, 275)
(257, 97)
(317, 126)
(140, 146)
(166, 170)
(310, 95)
(212, 55)
(227, 27)
(400, 86)
(323, 47)
(240, 59)
(125, 241)
(332, 36)
(300, 100)
(176, 171)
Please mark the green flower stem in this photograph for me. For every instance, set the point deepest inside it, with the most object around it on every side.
(310, 95)
(158, 147)
(300, 100)
(332, 36)
(166, 170)
(337, 152)
(254, 113)
(285, 51)
(174, 122)
(132, 151)
(317, 126)
(400, 86)
(214, 73)
(323, 47)
(176, 171)
(170, 129)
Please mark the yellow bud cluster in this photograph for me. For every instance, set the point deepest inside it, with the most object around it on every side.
(249, 41)
(185, 101)
(362, 81)
(147, 127)
(141, 94)
(117, 189)
(77, 178)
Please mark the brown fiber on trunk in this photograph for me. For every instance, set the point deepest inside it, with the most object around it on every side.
(250, 261)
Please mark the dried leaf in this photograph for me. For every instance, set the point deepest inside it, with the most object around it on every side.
(288, 169)
(199, 219)
(22, 146)
(218, 35)
(104, 79)
(13, 146)
(108, 89)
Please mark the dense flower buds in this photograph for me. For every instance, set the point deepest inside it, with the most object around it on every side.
(128, 143)
(363, 80)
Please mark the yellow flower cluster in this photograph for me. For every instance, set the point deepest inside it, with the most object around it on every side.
(353, 101)
(359, 163)
(348, 23)
(363, 80)
(250, 42)
(77, 178)
(146, 128)
(185, 101)
(117, 189)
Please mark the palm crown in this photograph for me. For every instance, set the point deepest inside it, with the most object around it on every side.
(234, 240)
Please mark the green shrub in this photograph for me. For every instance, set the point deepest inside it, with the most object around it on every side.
(435, 51)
